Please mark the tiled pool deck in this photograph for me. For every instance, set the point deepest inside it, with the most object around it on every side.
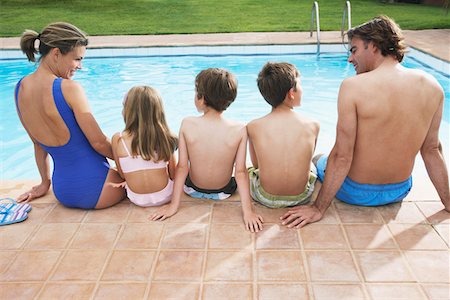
(397, 251)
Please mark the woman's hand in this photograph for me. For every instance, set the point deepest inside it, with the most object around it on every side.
(35, 192)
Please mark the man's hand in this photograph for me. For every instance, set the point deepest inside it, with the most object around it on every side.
(300, 216)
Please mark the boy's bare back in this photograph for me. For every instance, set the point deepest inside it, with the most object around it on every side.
(212, 143)
(283, 143)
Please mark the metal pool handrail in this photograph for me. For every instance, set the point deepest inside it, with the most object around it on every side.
(348, 13)
(315, 12)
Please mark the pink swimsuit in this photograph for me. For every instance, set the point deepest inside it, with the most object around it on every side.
(132, 164)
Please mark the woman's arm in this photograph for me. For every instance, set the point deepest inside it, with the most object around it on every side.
(41, 157)
(77, 100)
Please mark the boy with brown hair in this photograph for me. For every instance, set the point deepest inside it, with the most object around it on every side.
(210, 146)
(282, 143)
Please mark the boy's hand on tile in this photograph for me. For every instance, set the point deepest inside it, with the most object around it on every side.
(164, 212)
(253, 222)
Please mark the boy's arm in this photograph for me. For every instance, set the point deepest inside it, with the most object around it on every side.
(181, 173)
(251, 149)
(253, 221)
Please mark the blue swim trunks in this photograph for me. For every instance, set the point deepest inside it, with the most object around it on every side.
(356, 193)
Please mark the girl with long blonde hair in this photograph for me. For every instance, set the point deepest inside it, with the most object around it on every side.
(144, 151)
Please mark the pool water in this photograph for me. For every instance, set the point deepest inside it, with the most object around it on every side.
(106, 81)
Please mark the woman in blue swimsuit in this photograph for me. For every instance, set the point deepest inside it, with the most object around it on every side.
(54, 111)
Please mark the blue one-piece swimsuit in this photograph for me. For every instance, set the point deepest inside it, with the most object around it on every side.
(79, 171)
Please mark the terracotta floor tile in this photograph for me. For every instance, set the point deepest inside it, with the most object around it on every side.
(437, 291)
(80, 265)
(230, 236)
(444, 232)
(67, 291)
(270, 215)
(402, 212)
(129, 265)
(31, 266)
(19, 291)
(39, 212)
(331, 266)
(383, 266)
(61, 214)
(395, 291)
(320, 236)
(226, 291)
(52, 236)
(338, 291)
(274, 236)
(6, 258)
(116, 214)
(95, 236)
(13, 236)
(227, 213)
(434, 212)
(330, 216)
(358, 214)
(280, 265)
(178, 291)
(369, 236)
(140, 236)
(430, 266)
(229, 266)
(108, 291)
(179, 266)
(418, 237)
(142, 214)
(193, 212)
(282, 291)
(184, 236)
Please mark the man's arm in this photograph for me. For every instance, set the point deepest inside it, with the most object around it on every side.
(338, 166)
(433, 158)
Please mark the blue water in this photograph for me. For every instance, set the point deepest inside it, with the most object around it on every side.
(106, 80)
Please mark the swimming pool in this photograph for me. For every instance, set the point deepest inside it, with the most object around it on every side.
(108, 74)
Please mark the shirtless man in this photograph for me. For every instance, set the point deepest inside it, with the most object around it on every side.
(282, 143)
(387, 114)
(210, 147)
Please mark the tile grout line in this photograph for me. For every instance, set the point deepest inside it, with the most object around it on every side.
(110, 252)
(18, 251)
(403, 255)
(305, 265)
(355, 262)
(61, 256)
(205, 252)
(155, 260)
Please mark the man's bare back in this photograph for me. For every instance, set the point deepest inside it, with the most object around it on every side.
(395, 107)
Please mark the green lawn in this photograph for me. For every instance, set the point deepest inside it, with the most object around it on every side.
(111, 17)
